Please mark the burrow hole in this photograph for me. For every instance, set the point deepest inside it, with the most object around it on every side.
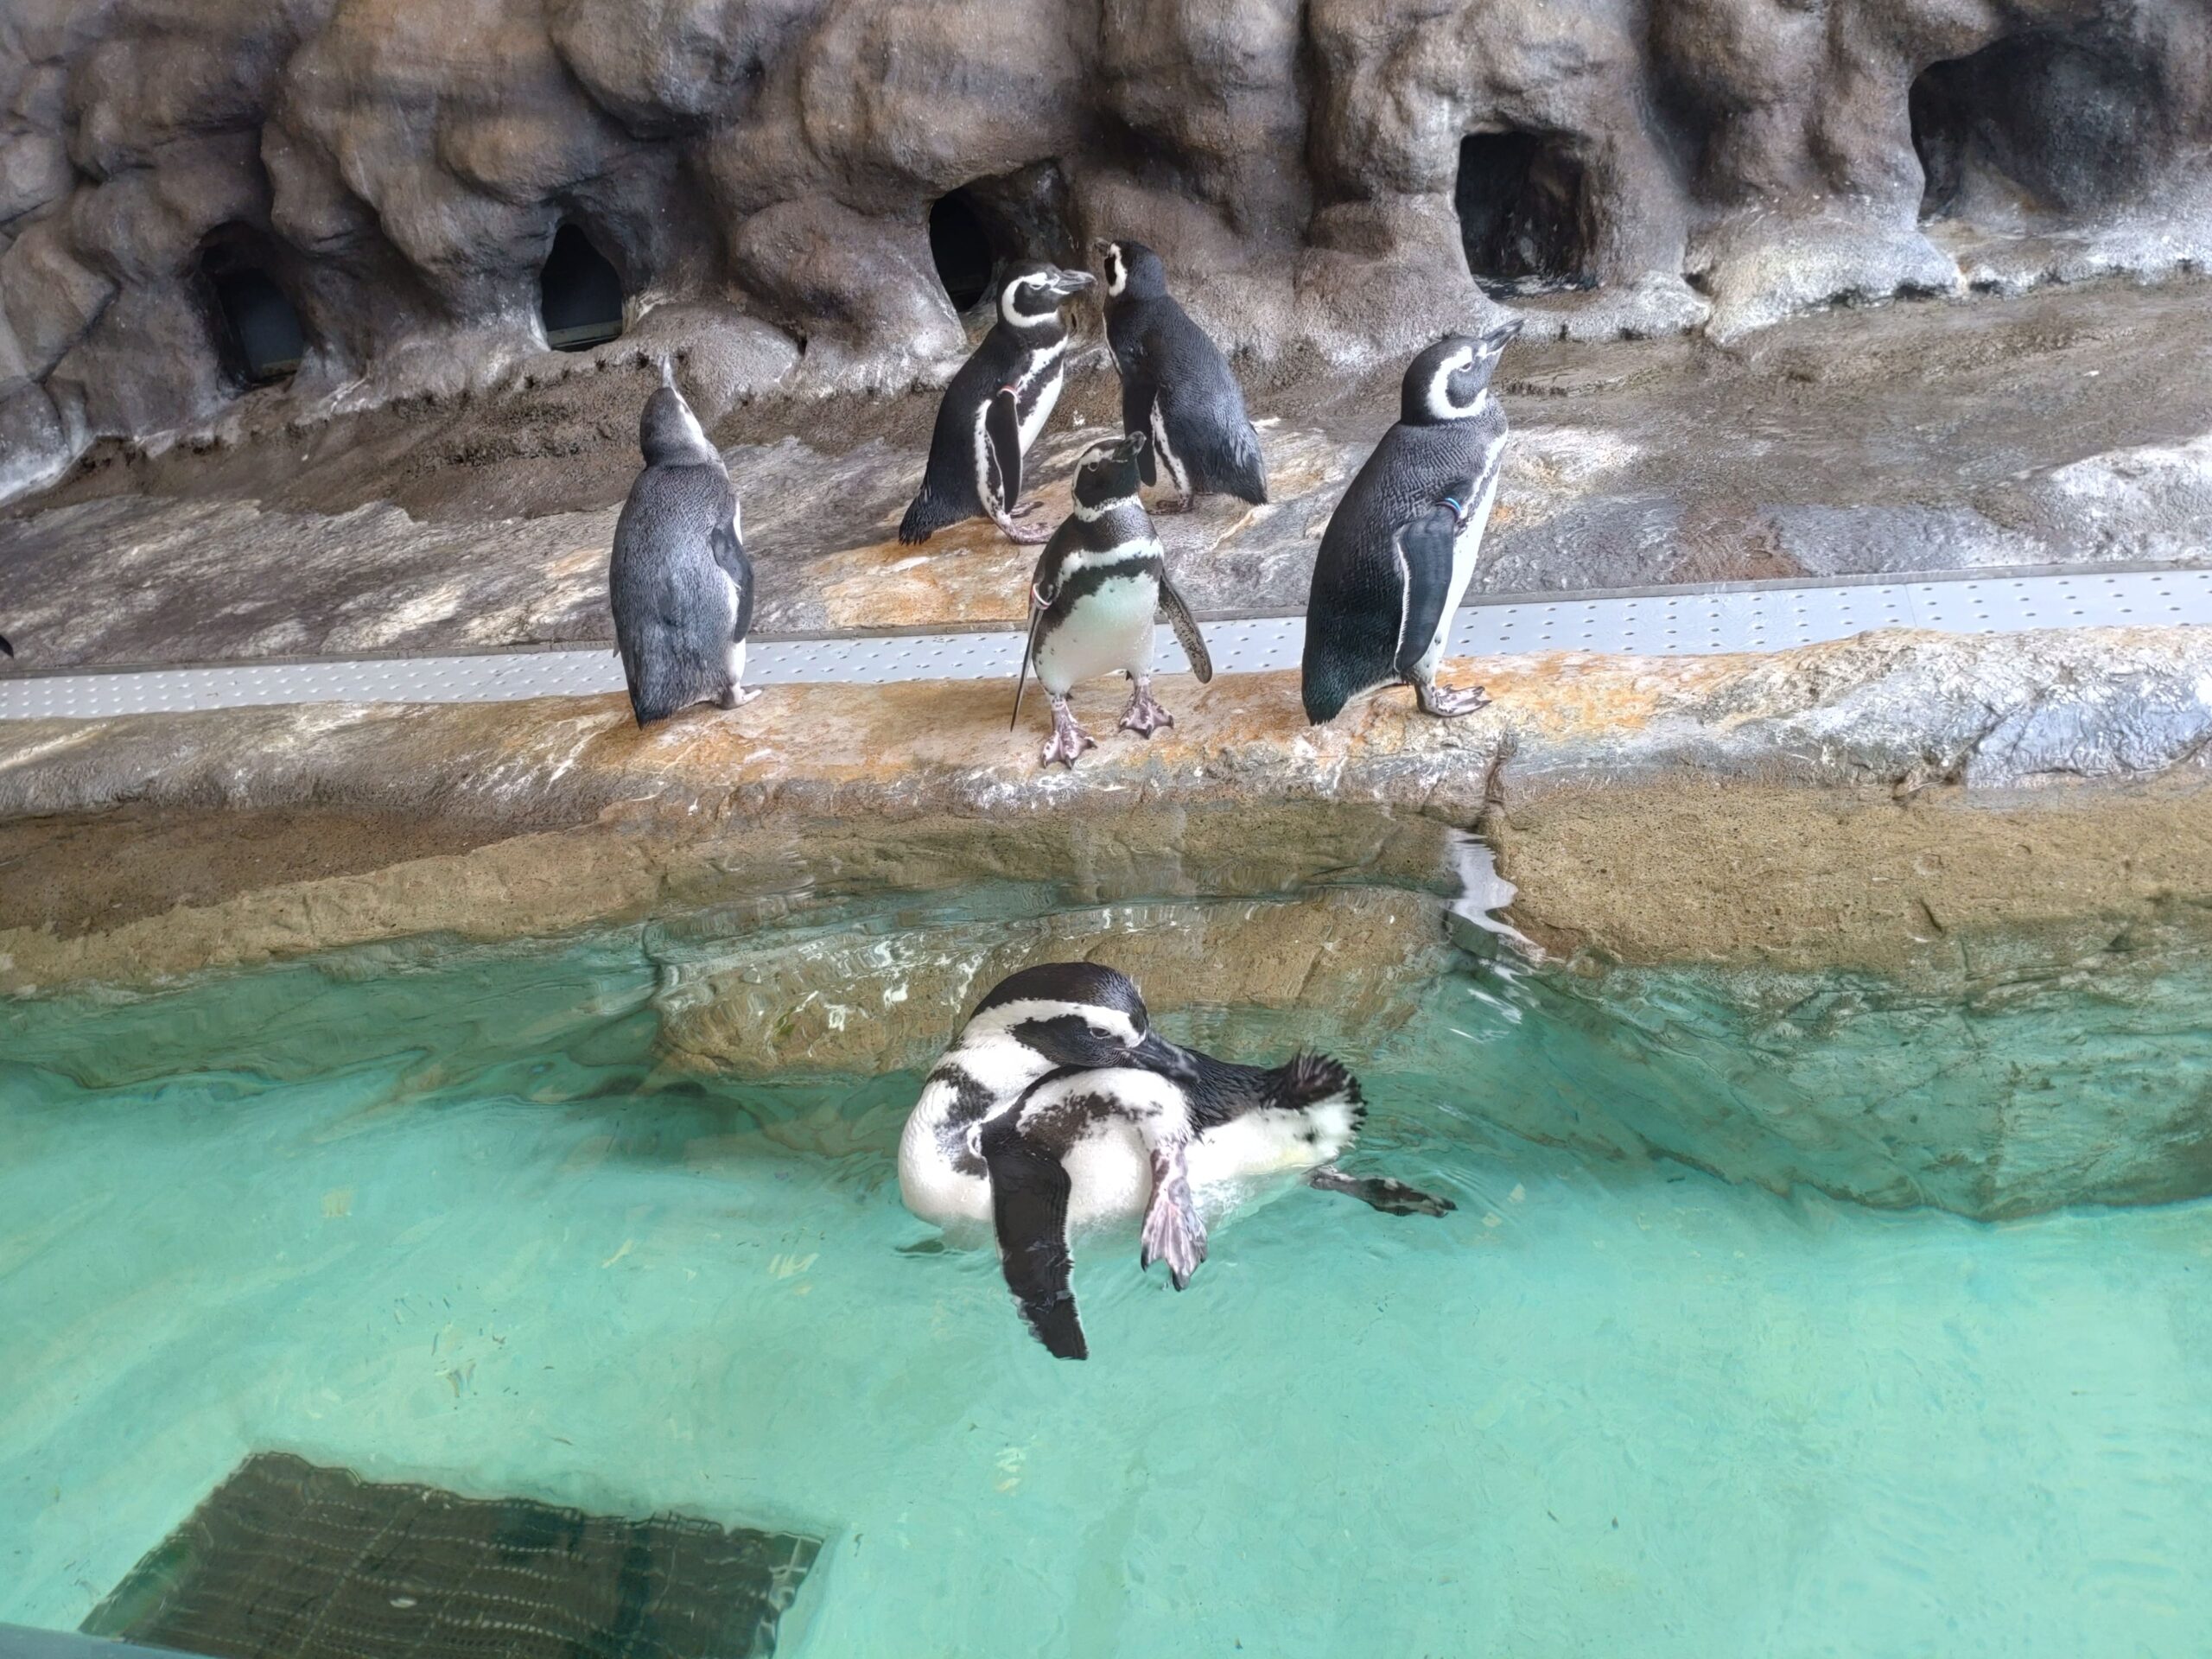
(579, 294)
(1524, 213)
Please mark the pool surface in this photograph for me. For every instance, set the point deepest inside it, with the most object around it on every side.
(454, 1221)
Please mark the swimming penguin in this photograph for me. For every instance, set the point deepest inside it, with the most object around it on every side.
(1058, 1108)
(1402, 546)
(995, 407)
(1099, 583)
(680, 585)
(1176, 386)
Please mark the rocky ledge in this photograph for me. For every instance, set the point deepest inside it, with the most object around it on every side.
(1876, 802)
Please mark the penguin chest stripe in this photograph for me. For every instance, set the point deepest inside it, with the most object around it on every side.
(990, 490)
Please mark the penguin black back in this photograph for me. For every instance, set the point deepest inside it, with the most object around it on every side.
(1177, 389)
(971, 472)
(1397, 553)
(679, 583)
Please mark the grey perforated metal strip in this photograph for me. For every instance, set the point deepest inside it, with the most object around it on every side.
(1668, 622)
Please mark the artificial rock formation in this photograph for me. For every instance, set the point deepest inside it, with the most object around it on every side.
(195, 193)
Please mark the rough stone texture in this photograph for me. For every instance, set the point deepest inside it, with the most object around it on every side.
(2069, 426)
(400, 170)
(1825, 804)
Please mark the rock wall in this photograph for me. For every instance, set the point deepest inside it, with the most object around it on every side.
(1330, 177)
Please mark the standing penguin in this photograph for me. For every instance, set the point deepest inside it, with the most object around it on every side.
(1402, 546)
(1099, 583)
(995, 407)
(1059, 1108)
(1176, 386)
(680, 585)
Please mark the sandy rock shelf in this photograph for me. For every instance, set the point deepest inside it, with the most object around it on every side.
(1878, 802)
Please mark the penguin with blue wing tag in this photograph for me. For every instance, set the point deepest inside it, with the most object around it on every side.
(1403, 544)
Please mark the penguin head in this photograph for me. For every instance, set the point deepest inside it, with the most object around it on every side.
(1131, 268)
(1108, 473)
(670, 434)
(1447, 381)
(1033, 292)
(1080, 1014)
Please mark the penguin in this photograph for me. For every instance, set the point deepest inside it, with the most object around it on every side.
(1059, 1108)
(6, 650)
(994, 408)
(1098, 584)
(679, 583)
(1400, 547)
(1176, 386)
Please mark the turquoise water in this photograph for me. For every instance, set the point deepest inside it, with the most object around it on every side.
(452, 1224)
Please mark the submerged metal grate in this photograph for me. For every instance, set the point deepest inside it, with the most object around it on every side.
(1670, 622)
(290, 1561)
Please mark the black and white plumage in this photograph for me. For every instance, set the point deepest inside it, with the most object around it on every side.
(1059, 1108)
(1177, 389)
(995, 407)
(1099, 583)
(1403, 544)
(679, 583)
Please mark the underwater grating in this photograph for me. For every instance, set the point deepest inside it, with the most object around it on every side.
(1665, 622)
(287, 1559)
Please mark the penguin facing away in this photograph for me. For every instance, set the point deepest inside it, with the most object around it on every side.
(1177, 389)
(679, 583)
(1099, 583)
(994, 408)
(1402, 546)
(1059, 1108)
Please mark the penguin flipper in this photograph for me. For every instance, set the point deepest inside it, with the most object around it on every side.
(1186, 630)
(1029, 1212)
(1002, 431)
(6, 650)
(1424, 554)
(1138, 393)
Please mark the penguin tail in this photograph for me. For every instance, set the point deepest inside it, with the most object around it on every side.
(1246, 479)
(925, 516)
(1323, 697)
(1311, 1080)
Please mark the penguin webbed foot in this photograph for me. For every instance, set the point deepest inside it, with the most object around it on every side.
(1144, 715)
(1172, 1232)
(1445, 704)
(1035, 504)
(1068, 739)
(1022, 535)
(1167, 505)
(738, 696)
(1380, 1192)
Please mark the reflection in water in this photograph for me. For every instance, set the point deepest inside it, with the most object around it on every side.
(460, 1225)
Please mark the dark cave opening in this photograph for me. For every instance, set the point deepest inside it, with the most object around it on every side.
(579, 294)
(258, 336)
(1524, 212)
(961, 247)
(978, 230)
(2045, 120)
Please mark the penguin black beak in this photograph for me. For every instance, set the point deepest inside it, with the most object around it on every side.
(1102, 245)
(1070, 283)
(1494, 339)
(1157, 1054)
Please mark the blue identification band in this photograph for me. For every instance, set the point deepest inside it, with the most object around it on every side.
(1452, 502)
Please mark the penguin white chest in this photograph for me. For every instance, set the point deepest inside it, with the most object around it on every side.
(1466, 553)
(1038, 392)
(1107, 631)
